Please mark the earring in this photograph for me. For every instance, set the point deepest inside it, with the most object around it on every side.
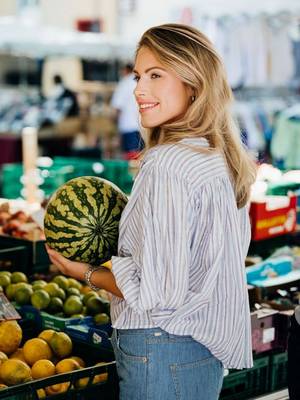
(193, 98)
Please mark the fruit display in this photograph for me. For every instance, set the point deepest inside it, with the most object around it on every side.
(82, 219)
(61, 296)
(41, 357)
(18, 224)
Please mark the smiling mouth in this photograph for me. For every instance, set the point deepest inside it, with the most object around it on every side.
(147, 106)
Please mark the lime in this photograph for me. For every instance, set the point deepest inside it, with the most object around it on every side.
(73, 305)
(37, 286)
(101, 318)
(96, 305)
(40, 299)
(17, 277)
(8, 273)
(23, 295)
(62, 281)
(61, 294)
(56, 305)
(73, 291)
(52, 289)
(39, 282)
(88, 296)
(74, 283)
(4, 280)
(10, 291)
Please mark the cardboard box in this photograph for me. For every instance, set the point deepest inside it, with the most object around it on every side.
(268, 221)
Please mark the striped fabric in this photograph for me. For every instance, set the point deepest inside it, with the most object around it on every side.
(182, 247)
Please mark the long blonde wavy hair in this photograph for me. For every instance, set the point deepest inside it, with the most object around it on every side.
(191, 55)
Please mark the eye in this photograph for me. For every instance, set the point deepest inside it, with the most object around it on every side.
(136, 78)
(155, 76)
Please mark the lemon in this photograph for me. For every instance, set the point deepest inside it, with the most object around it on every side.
(40, 299)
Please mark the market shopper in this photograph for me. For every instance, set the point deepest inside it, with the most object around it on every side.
(127, 114)
(180, 306)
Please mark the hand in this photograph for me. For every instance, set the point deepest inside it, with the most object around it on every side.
(73, 269)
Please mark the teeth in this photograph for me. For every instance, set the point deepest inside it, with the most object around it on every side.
(147, 105)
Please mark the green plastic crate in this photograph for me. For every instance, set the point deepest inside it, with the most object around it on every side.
(247, 383)
(49, 321)
(278, 371)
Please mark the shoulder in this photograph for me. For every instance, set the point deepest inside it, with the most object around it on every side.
(189, 160)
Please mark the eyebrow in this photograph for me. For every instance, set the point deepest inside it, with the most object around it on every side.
(149, 69)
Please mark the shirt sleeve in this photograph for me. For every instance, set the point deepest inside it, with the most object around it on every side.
(158, 278)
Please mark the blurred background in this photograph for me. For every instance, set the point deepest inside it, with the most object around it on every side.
(65, 71)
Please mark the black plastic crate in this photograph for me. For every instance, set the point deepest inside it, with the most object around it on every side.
(247, 383)
(104, 390)
(278, 371)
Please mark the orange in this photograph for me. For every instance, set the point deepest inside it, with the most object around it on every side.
(58, 388)
(61, 344)
(67, 365)
(14, 372)
(46, 335)
(10, 336)
(42, 369)
(36, 349)
(18, 354)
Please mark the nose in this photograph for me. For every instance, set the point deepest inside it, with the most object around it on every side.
(140, 89)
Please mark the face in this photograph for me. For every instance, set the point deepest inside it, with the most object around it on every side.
(161, 96)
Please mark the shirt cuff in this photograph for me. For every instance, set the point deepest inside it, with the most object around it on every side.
(127, 279)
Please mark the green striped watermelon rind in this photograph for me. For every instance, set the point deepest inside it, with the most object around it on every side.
(82, 219)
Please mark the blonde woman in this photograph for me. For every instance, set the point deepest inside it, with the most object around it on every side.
(179, 305)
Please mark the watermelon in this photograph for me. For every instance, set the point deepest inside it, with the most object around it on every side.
(82, 219)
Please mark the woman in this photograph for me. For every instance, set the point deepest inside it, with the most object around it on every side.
(180, 305)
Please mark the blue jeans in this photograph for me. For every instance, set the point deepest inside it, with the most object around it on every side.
(155, 365)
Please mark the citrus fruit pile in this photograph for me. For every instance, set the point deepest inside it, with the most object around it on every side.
(62, 296)
(46, 355)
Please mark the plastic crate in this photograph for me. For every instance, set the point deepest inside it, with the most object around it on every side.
(86, 331)
(278, 371)
(104, 390)
(250, 382)
(49, 321)
(34, 258)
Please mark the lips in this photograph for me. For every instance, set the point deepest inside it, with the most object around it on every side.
(143, 107)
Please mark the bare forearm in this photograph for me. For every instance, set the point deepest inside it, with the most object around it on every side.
(104, 279)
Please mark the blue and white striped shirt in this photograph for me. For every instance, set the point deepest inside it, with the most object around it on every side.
(182, 247)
